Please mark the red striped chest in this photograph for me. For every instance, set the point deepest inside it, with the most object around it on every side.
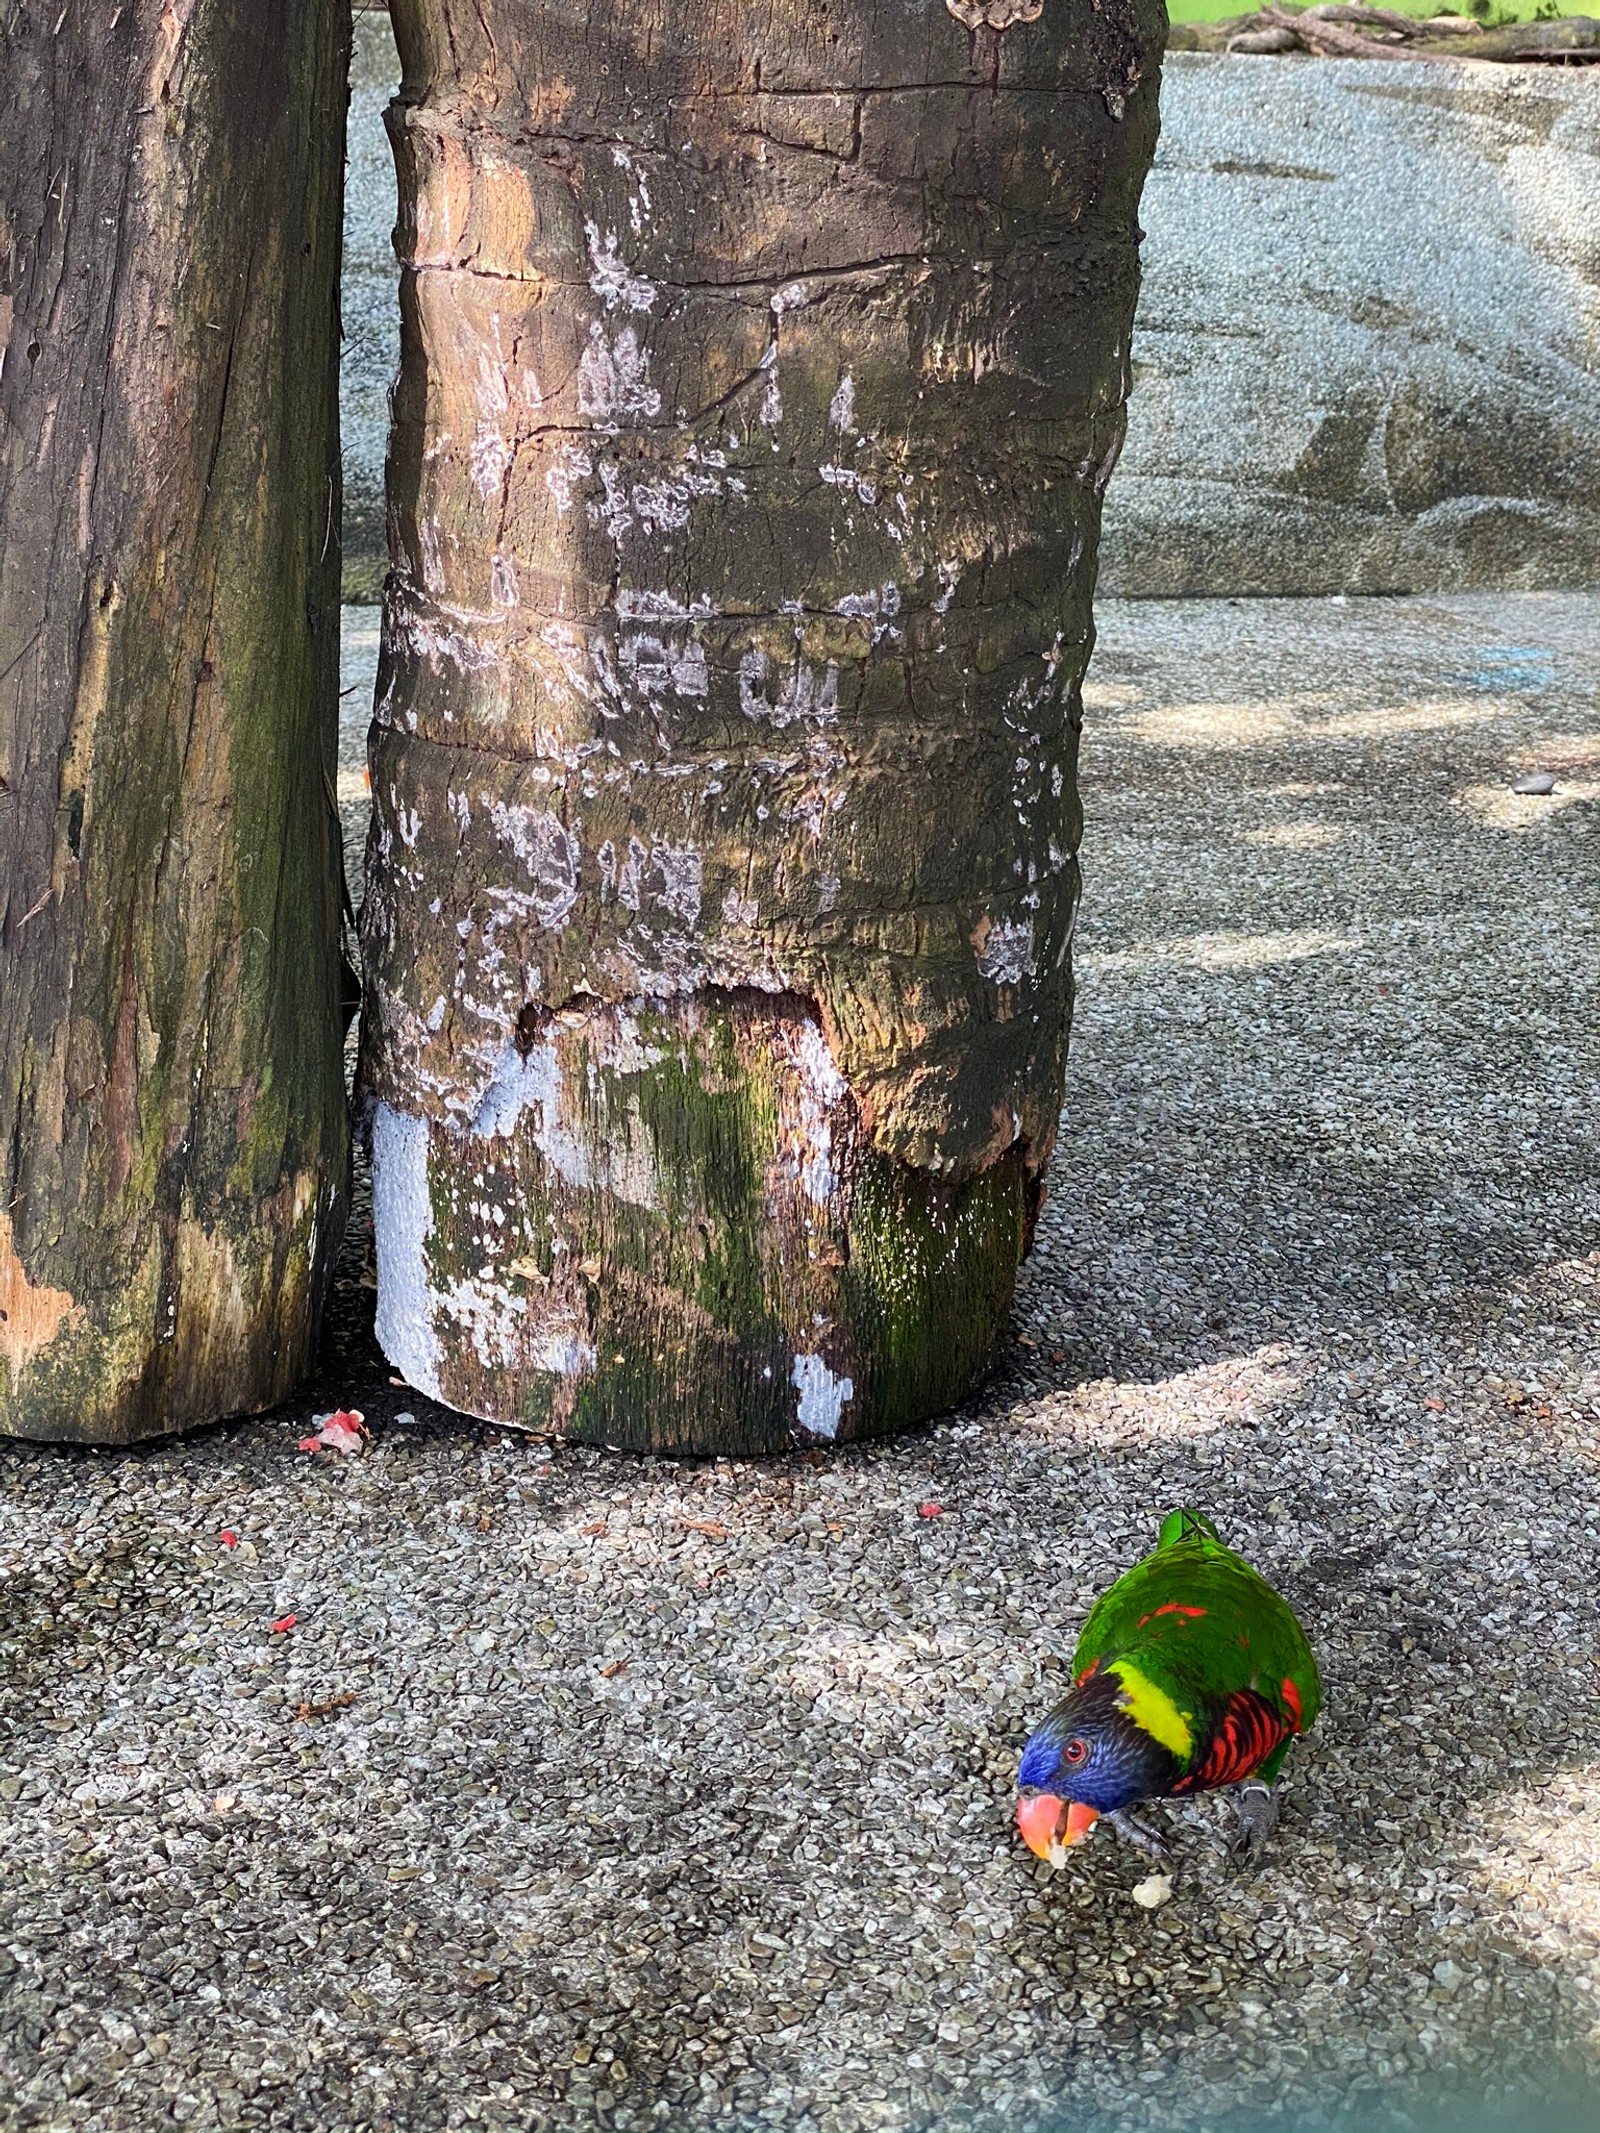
(1246, 1735)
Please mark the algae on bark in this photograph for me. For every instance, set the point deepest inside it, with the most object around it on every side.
(173, 1131)
(762, 373)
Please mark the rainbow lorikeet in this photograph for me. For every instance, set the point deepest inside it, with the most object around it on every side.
(1191, 1673)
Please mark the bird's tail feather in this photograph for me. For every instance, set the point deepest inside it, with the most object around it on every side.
(1178, 1525)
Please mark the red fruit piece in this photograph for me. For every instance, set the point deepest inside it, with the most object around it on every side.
(345, 1431)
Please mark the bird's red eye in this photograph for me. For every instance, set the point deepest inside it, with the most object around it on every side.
(1074, 1752)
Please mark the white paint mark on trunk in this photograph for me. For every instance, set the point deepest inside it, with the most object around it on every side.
(1005, 951)
(783, 695)
(525, 1098)
(879, 608)
(549, 851)
(847, 478)
(432, 560)
(635, 606)
(503, 581)
(680, 870)
(570, 466)
(610, 276)
(402, 1218)
(807, 1106)
(614, 378)
(425, 638)
(659, 665)
(822, 1396)
(491, 455)
(640, 203)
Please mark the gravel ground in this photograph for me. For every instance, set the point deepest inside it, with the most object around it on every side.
(588, 1792)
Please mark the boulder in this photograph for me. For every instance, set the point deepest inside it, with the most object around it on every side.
(1366, 357)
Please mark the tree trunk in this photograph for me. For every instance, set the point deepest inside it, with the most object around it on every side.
(174, 1162)
(763, 370)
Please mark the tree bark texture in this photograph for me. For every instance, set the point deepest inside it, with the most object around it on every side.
(763, 369)
(174, 1161)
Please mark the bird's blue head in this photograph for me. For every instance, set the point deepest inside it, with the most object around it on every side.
(1089, 1758)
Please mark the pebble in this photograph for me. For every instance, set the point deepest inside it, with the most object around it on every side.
(1539, 783)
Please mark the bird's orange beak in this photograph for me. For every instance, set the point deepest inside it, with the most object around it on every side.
(1049, 1825)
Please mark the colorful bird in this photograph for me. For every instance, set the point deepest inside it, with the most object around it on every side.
(1191, 1674)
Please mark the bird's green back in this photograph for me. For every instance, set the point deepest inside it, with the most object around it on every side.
(1199, 1624)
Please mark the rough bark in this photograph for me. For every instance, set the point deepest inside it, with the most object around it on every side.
(763, 368)
(175, 1144)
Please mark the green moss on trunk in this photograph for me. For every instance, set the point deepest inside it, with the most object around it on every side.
(667, 1229)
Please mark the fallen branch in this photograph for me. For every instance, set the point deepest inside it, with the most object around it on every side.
(1321, 32)
(1273, 40)
(1344, 11)
(1574, 42)
(1344, 29)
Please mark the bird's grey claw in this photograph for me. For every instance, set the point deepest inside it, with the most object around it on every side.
(1139, 1834)
(1257, 1808)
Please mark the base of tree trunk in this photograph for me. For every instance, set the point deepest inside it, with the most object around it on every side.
(666, 1230)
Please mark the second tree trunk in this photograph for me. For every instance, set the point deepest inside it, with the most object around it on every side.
(763, 371)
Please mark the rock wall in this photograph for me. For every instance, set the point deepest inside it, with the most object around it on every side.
(1367, 355)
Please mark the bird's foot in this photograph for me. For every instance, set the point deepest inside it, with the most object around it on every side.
(1256, 1805)
(1139, 1834)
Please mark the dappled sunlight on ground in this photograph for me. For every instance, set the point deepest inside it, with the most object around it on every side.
(1539, 1854)
(1294, 836)
(1210, 727)
(1497, 807)
(1109, 1416)
(1219, 951)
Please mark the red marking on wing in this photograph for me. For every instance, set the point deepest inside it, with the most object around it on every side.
(1291, 1696)
(1172, 1607)
(1248, 1732)
(1083, 1677)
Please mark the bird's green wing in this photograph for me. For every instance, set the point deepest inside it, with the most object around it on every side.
(1199, 1623)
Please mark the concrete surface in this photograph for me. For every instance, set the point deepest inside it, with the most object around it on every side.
(581, 1792)
(1367, 355)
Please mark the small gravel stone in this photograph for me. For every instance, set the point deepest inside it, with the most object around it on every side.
(1539, 783)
